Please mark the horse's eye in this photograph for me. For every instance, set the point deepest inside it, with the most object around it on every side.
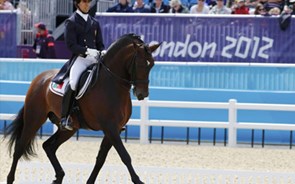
(148, 63)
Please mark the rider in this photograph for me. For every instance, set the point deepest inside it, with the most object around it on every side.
(84, 39)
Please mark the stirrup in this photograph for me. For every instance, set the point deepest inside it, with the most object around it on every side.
(66, 124)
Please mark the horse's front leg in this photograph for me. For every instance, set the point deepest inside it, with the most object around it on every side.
(100, 159)
(50, 146)
(114, 136)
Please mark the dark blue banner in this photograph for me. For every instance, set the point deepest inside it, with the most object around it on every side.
(8, 34)
(211, 38)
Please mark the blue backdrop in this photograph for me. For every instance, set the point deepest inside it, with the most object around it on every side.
(188, 38)
(207, 38)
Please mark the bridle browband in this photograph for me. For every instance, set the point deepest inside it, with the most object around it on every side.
(132, 68)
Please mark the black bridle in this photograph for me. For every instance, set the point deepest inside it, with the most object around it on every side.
(132, 71)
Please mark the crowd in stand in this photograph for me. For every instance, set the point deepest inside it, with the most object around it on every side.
(256, 7)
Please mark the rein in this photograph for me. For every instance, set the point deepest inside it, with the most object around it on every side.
(133, 80)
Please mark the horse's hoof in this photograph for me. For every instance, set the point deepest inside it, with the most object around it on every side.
(10, 180)
(56, 182)
(138, 182)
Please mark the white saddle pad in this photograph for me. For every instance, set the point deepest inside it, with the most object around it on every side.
(59, 89)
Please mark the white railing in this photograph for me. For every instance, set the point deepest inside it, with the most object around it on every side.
(113, 174)
(232, 124)
(10, 98)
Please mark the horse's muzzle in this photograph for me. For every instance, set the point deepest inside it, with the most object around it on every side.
(140, 94)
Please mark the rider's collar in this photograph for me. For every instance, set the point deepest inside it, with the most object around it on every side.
(83, 15)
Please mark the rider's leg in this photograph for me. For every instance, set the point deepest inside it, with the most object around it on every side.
(67, 103)
(78, 67)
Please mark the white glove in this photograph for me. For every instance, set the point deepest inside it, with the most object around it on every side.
(102, 53)
(92, 52)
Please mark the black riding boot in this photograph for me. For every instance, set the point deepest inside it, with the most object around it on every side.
(67, 103)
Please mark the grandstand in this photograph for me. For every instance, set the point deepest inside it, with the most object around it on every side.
(52, 13)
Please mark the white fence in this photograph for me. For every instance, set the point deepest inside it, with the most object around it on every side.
(37, 173)
(232, 125)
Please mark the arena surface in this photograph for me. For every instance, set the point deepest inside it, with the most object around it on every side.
(176, 155)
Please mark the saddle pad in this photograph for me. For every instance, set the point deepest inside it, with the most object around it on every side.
(59, 89)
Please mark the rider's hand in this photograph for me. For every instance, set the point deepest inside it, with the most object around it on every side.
(102, 53)
(92, 52)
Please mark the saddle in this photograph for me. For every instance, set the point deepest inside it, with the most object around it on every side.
(87, 79)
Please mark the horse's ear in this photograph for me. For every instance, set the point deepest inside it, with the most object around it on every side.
(155, 46)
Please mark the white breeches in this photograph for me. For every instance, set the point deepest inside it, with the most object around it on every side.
(77, 69)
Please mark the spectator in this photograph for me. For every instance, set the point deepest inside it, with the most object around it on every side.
(289, 6)
(15, 3)
(44, 43)
(219, 8)
(251, 4)
(259, 10)
(6, 5)
(200, 8)
(211, 3)
(159, 7)
(122, 6)
(140, 7)
(177, 7)
(240, 7)
(274, 11)
(274, 3)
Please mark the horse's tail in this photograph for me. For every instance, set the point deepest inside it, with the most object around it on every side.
(15, 131)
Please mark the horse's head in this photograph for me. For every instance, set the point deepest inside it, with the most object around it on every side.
(140, 68)
(130, 60)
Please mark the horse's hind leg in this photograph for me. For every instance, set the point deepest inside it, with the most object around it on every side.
(16, 156)
(105, 146)
(50, 146)
(116, 141)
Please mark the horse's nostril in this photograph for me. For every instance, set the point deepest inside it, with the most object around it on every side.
(140, 97)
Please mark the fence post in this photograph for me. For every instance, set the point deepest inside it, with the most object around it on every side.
(144, 117)
(232, 120)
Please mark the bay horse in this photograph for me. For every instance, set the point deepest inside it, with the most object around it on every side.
(106, 106)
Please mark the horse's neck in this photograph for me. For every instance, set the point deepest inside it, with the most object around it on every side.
(119, 62)
(116, 80)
